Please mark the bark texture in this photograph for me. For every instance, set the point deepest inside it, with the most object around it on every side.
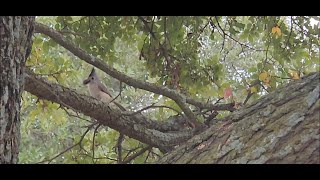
(282, 127)
(135, 126)
(15, 46)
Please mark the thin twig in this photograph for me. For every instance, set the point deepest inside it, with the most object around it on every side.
(71, 115)
(147, 156)
(264, 88)
(242, 44)
(149, 107)
(84, 134)
(93, 139)
(291, 29)
(265, 61)
(280, 77)
(97, 158)
(119, 147)
(130, 158)
(130, 151)
(239, 74)
(69, 148)
(120, 88)
(247, 98)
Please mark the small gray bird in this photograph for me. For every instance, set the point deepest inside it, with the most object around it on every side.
(99, 90)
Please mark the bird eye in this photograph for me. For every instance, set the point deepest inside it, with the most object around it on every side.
(92, 78)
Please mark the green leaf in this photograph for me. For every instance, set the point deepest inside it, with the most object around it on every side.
(253, 69)
(250, 38)
(161, 111)
(45, 47)
(240, 25)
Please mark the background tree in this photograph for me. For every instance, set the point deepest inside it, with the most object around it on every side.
(173, 75)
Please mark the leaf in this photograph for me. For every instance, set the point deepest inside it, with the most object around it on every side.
(276, 31)
(161, 111)
(253, 90)
(227, 92)
(273, 30)
(250, 38)
(267, 82)
(263, 76)
(253, 69)
(240, 25)
(45, 47)
(259, 65)
(294, 75)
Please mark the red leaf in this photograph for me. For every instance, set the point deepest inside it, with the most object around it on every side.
(227, 92)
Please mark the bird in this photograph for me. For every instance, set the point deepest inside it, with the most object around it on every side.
(98, 90)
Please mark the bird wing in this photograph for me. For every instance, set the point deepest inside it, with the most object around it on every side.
(103, 88)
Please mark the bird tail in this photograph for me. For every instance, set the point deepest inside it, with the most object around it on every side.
(120, 106)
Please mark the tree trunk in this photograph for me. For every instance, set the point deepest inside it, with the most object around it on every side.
(282, 127)
(15, 46)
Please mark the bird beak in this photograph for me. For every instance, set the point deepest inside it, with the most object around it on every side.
(86, 81)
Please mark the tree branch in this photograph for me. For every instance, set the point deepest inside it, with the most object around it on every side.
(93, 139)
(172, 94)
(119, 147)
(137, 127)
(132, 157)
(152, 106)
(210, 107)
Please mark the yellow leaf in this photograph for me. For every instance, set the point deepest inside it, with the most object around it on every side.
(263, 76)
(279, 32)
(50, 78)
(266, 80)
(276, 31)
(253, 90)
(294, 75)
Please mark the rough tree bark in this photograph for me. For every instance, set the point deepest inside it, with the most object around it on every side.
(15, 46)
(282, 127)
(161, 135)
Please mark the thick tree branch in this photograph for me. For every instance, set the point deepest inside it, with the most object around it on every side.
(178, 98)
(137, 127)
(210, 107)
(281, 127)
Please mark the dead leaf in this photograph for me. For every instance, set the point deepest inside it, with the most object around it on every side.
(276, 31)
(227, 92)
